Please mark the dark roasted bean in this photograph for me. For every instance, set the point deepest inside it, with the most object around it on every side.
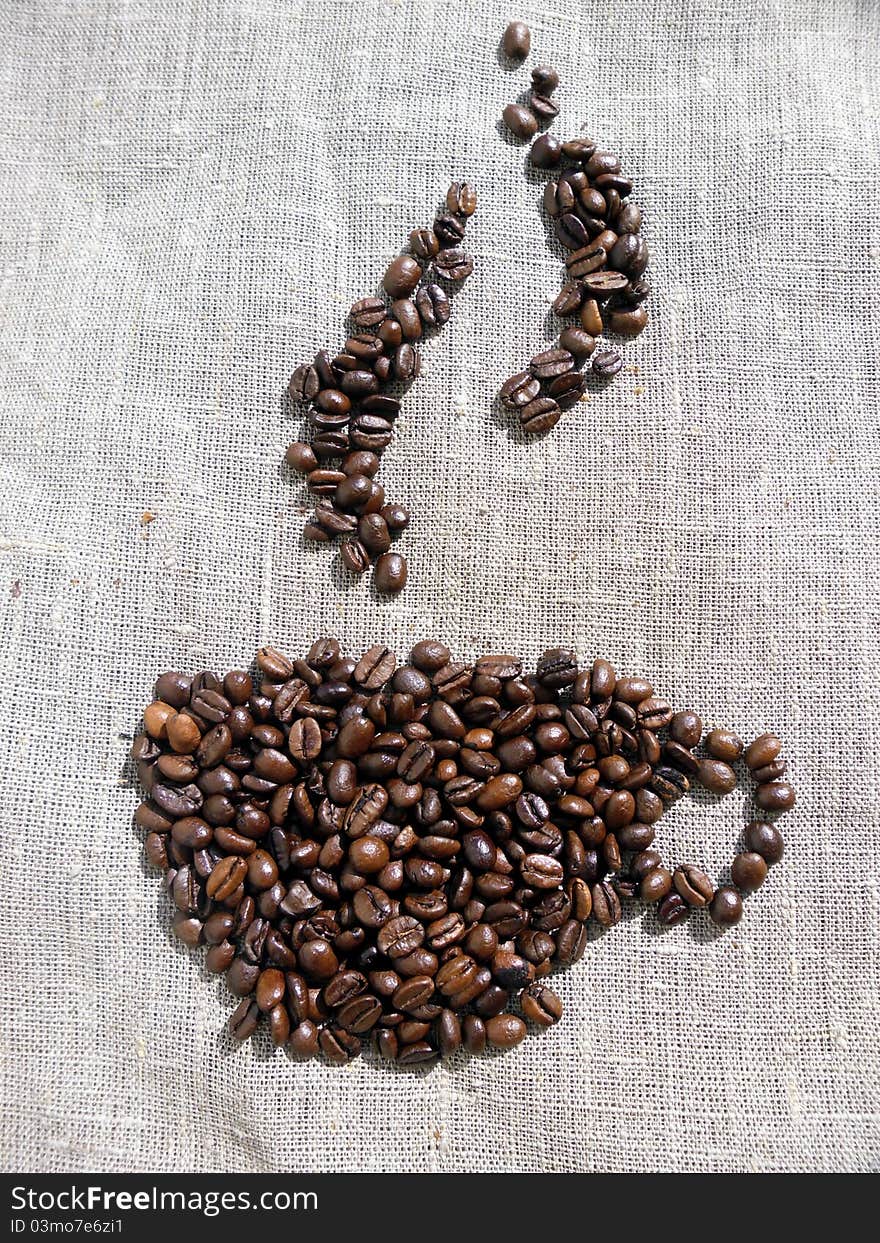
(520, 121)
(516, 41)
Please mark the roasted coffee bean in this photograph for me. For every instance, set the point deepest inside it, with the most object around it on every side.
(655, 885)
(626, 322)
(519, 390)
(368, 312)
(762, 751)
(578, 343)
(723, 744)
(551, 363)
(390, 573)
(716, 776)
(539, 415)
(516, 41)
(461, 198)
(567, 390)
(606, 904)
(673, 910)
(545, 79)
(764, 839)
(355, 556)
(541, 1005)
(401, 276)
(546, 150)
(568, 300)
(749, 871)
(686, 728)
(585, 261)
(433, 305)
(520, 121)
(693, 885)
(454, 264)
(449, 229)
(396, 517)
(505, 1031)
(775, 796)
(726, 907)
(606, 364)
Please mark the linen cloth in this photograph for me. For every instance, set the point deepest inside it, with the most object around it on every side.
(193, 193)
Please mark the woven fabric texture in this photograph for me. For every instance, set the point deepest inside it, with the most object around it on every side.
(192, 193)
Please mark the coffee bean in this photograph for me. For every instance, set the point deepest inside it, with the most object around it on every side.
(726, 907)
(461, 198)
(519, 390)
(520, 121)
(368, 312)
(764, 839)
(390, 573)
(449, 229)
(545, 110)
(545, 79)
(773, 796)
(567, 390)
(401, 276)
(749, 871)
(505, 1031)
(433, 305)
(396, 517)
(673, 910)
(541, 1005)
(539, 416)
(578, 343)
(716, 776)
(546, 150)
(693, 885)
(655, 885)
(550, 363)
(586, 260)
(355, 556)
(762, 751)
(454, 264)
(516, 41)
(606, 364)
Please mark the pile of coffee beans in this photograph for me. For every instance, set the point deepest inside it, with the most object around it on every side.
(354, 397)
(589, 203)
(405, 852)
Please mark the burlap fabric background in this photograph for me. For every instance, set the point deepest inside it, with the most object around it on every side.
(192, 195)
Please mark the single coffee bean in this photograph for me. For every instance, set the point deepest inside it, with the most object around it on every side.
(606, 364)
(516, 41)
(390, 573)
(304, 384)
(749, 871)
(578, 343)
(449, 229)
(396, 517)
(716, 776)
(673, 910)
(505, 1031)
(762, 751)
(568, 300)
(519, 390)
(520, 121)
(545, 79)
(764, 839)
(550, 363)
(433, 305)
(627, 322)
(567, 390)
(655, 885)
(726, 907)
(693, 885)
(454, 264)
(368, 312)
(686, 728)
(461, 198)
(355, 556)
(775, 796)
(539, 416)
(541, 1005)
(546, 150)
(591, 317)
(401, 276)
(545, 110)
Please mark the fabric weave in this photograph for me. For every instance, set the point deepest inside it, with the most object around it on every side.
(192, 193)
